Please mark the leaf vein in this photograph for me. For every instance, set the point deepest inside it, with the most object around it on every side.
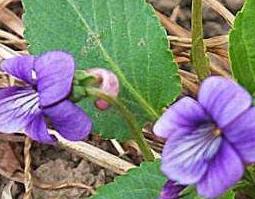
(147, 107)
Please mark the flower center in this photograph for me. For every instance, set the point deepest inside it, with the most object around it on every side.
(210, 129)
(216, 132)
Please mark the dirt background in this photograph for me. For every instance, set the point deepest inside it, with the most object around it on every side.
(52, 163)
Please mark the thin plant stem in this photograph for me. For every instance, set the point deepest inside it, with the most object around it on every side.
(130, 119)
(28, 181)
(199, 59)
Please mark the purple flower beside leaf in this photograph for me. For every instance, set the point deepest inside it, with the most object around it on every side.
(209, 141)
(48, 81)
(171, 190)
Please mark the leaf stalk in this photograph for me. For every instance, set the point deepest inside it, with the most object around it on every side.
(130, 119)
(198, 54)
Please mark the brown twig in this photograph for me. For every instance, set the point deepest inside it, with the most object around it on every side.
(188, 75)
(4, 3)
(192, 87)
(211, 43)
(219, 51)
(95, 154)
(221, 61)
(6, 52)
(172, 27)
(118, 147)
(219, 71)
(12, 138)
(12, 39)
(64, 184)
(8, 18)
(219, 8)
(181, 59)
(175, 13)
(28, 181)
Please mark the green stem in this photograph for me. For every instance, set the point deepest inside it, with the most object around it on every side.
(199, 59)
(134, 127)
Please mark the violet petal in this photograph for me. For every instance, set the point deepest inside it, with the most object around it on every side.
(225, 170)
(20, 67)
(180, 118)
(69, 120)
(37, 130)
(223, 99)
(171, 190)
(54, 72)
(185, 158)
(241, 134)
(17, 106)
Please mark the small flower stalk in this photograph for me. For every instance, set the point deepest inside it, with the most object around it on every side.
(44, 97)
(209, 141)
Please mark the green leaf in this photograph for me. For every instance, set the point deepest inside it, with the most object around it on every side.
(246, 186)
(242, 47)
(144, 182)
(124, 36)
(190, 193)
(228, 195)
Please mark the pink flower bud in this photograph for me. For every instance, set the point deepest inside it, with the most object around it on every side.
(108, 83)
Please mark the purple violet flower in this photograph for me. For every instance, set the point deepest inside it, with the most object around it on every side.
(48, 81)
(210, 140)
(171, 190)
